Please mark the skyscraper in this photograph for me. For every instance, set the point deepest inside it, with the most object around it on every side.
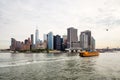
(32, 39)
(92, 43)
(64, 44)
(45, 37)
(36, 37)
(57, 42)
(85, 40)
(13, 44)
(72, 37)
(50, 40)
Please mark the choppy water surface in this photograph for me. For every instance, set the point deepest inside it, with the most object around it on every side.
(64, 66)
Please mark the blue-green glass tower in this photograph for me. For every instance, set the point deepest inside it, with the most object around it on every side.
(50, 40)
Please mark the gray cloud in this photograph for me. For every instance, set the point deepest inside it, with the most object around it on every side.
(50, 15)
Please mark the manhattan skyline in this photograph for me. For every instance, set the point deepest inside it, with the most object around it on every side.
(19, 19)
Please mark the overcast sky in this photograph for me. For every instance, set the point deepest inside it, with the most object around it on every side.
(19, 18)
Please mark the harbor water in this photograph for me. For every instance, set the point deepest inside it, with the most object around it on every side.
(59, 66)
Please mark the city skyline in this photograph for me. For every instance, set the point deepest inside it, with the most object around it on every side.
(55, 42)
(18, 19)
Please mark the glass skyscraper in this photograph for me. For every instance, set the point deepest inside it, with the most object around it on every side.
(57, 42)
(50, 40)
(36, 37)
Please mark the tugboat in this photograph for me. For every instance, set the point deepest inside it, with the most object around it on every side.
(88, 53)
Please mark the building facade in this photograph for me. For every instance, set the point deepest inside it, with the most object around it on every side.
(92, 43)
(57, 42)
(32, 39)
(13, 44)
(87, 42)
(32, 42)
(45, 37)
(64, 44)
(50, 41)
(72, 38)
(36, 37)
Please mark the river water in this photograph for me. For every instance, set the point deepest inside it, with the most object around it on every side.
(62, 66)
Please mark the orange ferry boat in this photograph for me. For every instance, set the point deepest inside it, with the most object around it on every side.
(88, 54)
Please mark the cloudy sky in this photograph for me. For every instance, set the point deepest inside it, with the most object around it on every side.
(19, 18)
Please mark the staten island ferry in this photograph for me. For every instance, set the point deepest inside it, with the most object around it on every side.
(88, 53)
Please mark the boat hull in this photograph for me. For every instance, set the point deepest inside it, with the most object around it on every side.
(88, 54)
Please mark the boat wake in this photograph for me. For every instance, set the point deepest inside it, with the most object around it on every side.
(28, 62)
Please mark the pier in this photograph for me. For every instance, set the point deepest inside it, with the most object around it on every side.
(73, 49)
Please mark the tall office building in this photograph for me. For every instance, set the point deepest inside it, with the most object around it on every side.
(85, 40)
(64, 38)
(50, 40)
(45, 37)
(13, 44)
(32, 39)
(64, 44)
(36, 37)
(57, 42)
(92, 43)
(72, 38)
